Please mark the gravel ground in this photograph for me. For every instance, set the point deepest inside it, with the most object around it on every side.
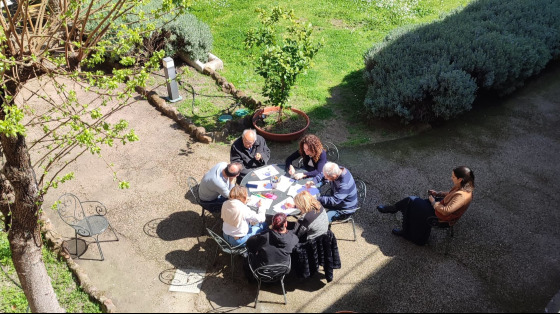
(504, 258)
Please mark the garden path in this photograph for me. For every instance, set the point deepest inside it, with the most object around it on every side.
(505, 258)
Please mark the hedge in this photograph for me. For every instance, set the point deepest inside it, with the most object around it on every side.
(434, 71)
(190, 36)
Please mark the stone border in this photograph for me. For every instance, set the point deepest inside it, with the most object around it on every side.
(54, 242)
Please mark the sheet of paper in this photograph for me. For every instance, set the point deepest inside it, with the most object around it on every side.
(266, 172)
(263, 185)
(254, 200)
(295, 189)
(281, 207)
(284, 183)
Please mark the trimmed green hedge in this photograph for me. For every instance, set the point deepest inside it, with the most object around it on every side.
(434, 71)
(190, 36)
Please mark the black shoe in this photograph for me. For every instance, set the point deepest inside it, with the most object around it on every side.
(387, 209)
(398, 232)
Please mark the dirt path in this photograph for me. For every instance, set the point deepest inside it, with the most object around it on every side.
(505, 256)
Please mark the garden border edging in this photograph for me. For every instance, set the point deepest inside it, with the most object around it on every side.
(55, 242)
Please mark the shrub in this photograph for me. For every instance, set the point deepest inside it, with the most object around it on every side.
(434, 71)
(190, 36)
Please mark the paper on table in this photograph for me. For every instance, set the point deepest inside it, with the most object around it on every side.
(266, 172)
(294, 190)
(284, 183)
(281, 208)
(261, 186)
(265, 202)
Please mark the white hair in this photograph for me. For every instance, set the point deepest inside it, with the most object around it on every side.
(250, 130)
(331, 169)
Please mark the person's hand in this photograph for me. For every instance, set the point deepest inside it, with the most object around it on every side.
(259, 204)
(432, 199)
(431, 193)
(289, 205)
(309, 184)
(298, 176)
(291, 170)
(258, 156)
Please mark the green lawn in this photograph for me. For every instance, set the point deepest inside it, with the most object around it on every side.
(70, 296)
(347, 27)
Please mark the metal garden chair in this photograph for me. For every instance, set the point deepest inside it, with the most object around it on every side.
(71, 211)
(193, 188)
(434, 222)
(226, 248)
(362, 193)
(269, 274)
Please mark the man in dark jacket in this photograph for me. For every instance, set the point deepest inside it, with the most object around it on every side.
(251, 151)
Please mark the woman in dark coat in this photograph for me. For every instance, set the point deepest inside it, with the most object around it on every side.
(314, 157)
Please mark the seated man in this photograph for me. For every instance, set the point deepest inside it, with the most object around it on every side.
(216, 184)
(250, 150)
(344, 199)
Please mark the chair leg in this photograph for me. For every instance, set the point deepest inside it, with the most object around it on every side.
(203, 221)
(258, 290)
(284, 291)
(99, 247)
(231, 266)
(354, 229)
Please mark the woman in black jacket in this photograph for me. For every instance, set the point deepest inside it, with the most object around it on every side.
(273, 246)
(314, 157)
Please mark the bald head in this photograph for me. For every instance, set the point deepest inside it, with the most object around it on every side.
(249, 137)
(331, 171)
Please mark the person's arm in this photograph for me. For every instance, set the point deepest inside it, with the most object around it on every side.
(457, 202)
(320, 164)
(235, 154)
(265, 151)
(252, 216)
(291, 159)
(338, 196)
(224, 187)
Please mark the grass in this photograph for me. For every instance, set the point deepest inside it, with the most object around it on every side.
(69, 294)
(334, 85)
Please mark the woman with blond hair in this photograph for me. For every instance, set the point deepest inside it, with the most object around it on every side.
(314, 221)
(240, 222)
(314, 157)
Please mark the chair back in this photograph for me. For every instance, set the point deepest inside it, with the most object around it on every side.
(332, 151)
(362, 192)
(224, 245)
(71, 211)
(193, 188)
(270, 273)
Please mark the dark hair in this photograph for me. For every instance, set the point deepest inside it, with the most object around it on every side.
(278, 222)
(467, 175)
(314, 145)
(231, 174)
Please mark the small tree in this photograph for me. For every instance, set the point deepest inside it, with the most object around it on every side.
(53, 44)
(284, 54)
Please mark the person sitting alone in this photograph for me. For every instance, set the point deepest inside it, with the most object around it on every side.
(314, 222)
(240, 222)
(250, 150)
(343, 200)
(274, 246)
(216, 184)
(415, 211)
(314, 157)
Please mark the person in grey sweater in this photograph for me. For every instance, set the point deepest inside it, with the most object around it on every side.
(216, 184)
(314, 221)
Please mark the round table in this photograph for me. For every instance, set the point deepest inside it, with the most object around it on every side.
(252, 176)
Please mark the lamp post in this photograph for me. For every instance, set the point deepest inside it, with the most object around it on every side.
(172, 88)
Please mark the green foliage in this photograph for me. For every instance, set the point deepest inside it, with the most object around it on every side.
(284, 54)
(190, 36)
(434, 71)
(70, 296)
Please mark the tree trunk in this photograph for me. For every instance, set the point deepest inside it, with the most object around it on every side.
(25, 233)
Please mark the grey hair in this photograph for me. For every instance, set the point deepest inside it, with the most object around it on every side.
(331, 169)
(250, 130)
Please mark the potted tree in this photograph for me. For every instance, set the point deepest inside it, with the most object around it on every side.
(286, 50)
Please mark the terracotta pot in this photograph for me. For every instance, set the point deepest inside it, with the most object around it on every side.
(275, 136)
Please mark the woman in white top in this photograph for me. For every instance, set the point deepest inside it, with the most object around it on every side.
(240, 222)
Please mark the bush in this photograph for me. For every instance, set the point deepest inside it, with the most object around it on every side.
(434, 71)
(190, 36)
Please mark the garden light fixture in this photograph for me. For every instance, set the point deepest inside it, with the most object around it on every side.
(172, 88)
